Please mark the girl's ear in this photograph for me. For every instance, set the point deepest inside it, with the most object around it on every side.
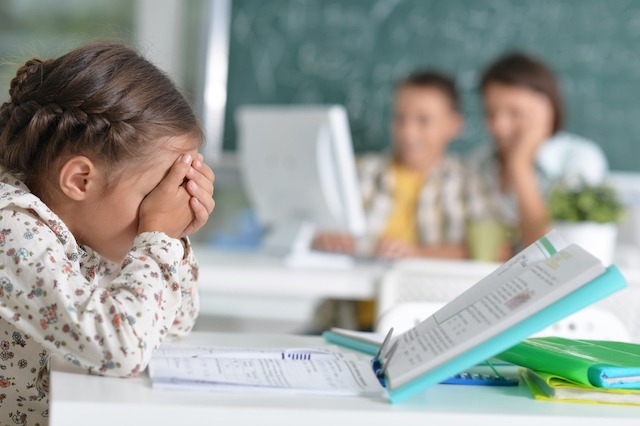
(78, 177)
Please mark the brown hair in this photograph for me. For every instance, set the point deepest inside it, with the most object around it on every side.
(436, 80)
(519, 69)
(102, 100)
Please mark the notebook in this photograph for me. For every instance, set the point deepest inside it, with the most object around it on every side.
(550, 387)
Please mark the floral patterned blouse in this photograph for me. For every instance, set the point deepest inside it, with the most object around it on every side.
(59, 297)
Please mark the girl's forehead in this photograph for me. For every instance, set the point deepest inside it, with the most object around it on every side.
(182, 143)
(154, 168)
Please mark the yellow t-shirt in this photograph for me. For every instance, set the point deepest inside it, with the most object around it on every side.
(402, 223)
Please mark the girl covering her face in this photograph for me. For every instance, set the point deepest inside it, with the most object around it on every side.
(100, 185)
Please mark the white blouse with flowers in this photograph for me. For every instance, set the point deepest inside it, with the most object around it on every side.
(59, 297)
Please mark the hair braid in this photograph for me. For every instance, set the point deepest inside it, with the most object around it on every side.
(25, 81)
(101, 100)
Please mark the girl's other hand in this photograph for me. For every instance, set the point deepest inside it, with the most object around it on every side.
(167, 208)
(535, 128)
(334, 242)
(200, 187)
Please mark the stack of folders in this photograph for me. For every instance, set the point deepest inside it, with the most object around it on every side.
(579, 370)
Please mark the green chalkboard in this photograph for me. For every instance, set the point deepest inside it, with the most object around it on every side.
(353, 51)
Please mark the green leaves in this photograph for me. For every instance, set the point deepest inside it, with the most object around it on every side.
(590, 203)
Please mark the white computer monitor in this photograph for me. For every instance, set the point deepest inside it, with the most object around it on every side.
(298, 168)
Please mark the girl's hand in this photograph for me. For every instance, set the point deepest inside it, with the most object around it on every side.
(535, 128)
(392, 249)
(166, 208)
(200, 187)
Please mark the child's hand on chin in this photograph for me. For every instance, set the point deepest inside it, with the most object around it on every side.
(178, 207)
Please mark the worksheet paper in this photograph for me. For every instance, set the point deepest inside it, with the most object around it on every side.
(511, 294)
(263, 370)
(169, 350)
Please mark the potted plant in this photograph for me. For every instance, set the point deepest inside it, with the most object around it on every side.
(588, 216)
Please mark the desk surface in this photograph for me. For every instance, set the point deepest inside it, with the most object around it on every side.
(79, 399)
(258, 273)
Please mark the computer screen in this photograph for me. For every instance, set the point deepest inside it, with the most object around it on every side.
(298, 168)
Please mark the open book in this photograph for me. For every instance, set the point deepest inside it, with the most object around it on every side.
(539, 286)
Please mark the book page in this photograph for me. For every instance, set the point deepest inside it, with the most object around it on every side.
(319, 376)
(441, 338)
(169, 350)
(542, 249)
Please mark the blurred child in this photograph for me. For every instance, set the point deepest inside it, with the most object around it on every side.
(524, 115)
(100, 184)
(414, 197)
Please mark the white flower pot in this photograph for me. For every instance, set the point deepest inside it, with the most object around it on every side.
(598, 239)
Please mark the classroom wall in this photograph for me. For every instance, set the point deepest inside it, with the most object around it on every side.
(352, 51)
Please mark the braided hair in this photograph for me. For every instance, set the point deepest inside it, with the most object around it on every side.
(102, 100)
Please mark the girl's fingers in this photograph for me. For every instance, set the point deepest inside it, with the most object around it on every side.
(178, 171)
(203, 169)
(201, 181)
(202, 195)
(200, 212)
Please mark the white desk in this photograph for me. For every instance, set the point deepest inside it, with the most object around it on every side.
(246, 287)
(256, 273)
(79, 399)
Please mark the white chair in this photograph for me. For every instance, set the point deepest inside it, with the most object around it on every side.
(592, 323)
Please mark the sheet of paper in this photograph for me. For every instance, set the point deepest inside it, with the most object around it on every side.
(168, 350)
(335, 377)
(470, 322)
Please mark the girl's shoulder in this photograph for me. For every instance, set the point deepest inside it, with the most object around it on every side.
(11, 188)
(21, 211)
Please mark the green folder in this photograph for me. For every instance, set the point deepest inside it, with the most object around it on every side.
(600, 364)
